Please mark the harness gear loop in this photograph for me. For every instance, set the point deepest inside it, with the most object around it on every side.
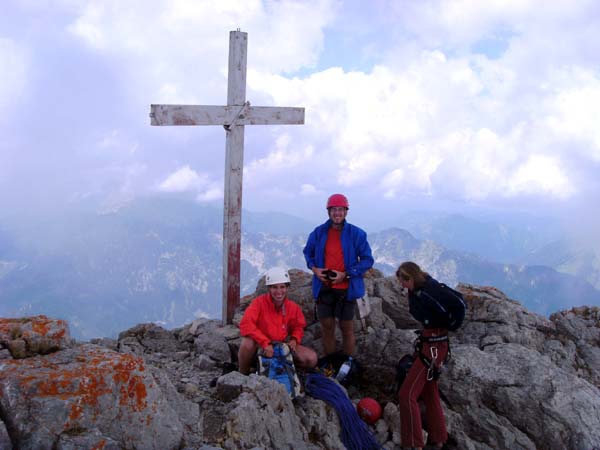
(433, 372)
(434, 353)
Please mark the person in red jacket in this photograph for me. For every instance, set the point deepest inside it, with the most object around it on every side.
(272, 317)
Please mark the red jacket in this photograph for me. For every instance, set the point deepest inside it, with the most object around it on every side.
(264, 324)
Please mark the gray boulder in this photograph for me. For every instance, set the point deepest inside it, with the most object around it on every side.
(509, 396)
(30, 336)
(44, 399)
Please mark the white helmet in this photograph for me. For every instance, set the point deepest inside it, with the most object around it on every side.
(276, 275)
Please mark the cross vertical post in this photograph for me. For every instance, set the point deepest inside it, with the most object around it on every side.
(234, 160)
(234, 116)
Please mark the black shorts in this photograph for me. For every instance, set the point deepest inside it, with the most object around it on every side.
(332, 303)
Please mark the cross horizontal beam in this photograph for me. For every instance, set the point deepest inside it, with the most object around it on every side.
(224, 115)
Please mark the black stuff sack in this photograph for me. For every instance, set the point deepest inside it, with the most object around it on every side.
(402, 369)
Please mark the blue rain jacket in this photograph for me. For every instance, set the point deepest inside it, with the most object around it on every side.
(357, 257)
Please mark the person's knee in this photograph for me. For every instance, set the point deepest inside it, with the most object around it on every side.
(328, 325)
(247, 345)
(311, 360)
(247, 349)
(347, 327)
(305, 357)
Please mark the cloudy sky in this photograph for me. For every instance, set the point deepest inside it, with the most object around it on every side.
(450, 104)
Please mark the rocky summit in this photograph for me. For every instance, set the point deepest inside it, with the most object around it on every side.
(516, 380)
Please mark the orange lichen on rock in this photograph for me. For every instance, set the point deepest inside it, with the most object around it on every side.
(76, 412)
(134, 393)
(137, 391)
(7, 328)
(83, 380)
(42, 325)
(30, 336)
(100, 445)
(133, 390)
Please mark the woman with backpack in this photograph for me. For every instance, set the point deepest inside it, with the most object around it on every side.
(427, 305)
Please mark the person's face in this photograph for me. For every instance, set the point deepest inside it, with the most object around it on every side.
(406, 281)
(337, 214)
(278, 292)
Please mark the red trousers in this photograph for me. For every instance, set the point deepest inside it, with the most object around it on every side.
(415, 387)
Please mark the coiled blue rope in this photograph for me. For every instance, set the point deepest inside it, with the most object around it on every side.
(355, 434)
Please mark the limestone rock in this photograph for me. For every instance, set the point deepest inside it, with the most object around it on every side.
(86, 388)
(490, 314)
(152, 339)
(321, 422)
(4, 437)
(509, 396)
(577, 344)
(86, 440)
(394, 301)
(263, 415)
(38, 335)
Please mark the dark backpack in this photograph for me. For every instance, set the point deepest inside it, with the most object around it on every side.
(402, 369)
(447, 305)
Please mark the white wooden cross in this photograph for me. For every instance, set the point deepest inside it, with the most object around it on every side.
(233, 117)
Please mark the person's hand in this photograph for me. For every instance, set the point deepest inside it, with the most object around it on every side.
(339, 277)
(292, 344)
(318, 271)
(268, 351)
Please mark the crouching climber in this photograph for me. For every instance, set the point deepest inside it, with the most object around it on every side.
(273, 317)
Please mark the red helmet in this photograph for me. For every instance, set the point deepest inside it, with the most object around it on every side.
(337, 200)
(369, 410)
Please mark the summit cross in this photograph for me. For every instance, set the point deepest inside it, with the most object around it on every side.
(234, 116)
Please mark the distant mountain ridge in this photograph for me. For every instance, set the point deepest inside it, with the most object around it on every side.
(540, 288)
(579, 258)
(159, 260)
(498, 240)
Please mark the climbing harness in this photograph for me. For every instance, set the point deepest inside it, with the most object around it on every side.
(433, 371)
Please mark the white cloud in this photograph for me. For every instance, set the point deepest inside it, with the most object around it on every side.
(284, 157)
(186, 179)
(15, 72)
(212, 193)
(461, 24)
(463, 99)
(540, 174)
(182, 180)
(309, 189)
(573, 113)
(172, 42)
(392, 182)
(456, 124)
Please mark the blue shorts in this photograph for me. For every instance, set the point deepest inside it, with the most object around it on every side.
(333, 303)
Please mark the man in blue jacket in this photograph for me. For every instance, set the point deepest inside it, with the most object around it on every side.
(339, 255)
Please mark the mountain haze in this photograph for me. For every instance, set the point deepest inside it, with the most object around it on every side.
(159, 260)
(580, 258)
